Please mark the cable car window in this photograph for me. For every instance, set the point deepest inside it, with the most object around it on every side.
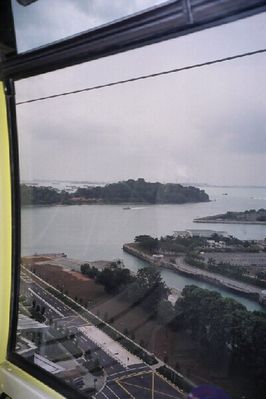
(38, 23)
(143, 219)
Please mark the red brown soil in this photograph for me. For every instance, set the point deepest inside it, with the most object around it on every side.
(77, 275)
(74, 284)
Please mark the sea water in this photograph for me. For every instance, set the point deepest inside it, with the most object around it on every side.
(98, 232)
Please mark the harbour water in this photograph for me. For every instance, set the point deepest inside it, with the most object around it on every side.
(98, 232)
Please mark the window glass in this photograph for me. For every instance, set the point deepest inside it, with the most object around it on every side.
(143, 221)
(43, 22)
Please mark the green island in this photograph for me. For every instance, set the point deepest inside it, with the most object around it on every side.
(250, 216)
(124, 192)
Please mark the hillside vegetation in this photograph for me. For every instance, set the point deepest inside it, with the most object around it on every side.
(248, 216)
(124, 192)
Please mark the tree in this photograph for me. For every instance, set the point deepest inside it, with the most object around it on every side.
(88, 270)
(230, 334)
(147, 242)
(115, 279)
(148, 288)
(165, 312)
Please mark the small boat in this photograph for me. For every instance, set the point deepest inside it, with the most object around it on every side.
(225, 193)
(126, 207)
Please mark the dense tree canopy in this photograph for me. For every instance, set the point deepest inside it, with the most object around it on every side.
(113, 278)
(147, 242)
(130, 191)
(250, 215)
(32, 195)
(140, 191)
(149, 288)
(146, 288)
(228, 332)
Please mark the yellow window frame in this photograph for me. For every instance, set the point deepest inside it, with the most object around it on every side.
(13, 381)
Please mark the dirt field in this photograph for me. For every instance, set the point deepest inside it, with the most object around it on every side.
(74, 284)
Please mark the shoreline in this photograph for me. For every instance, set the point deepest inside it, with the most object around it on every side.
(74, 203)
(219, 221)
(248, 291)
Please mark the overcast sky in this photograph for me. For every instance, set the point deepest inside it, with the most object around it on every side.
(205, 125)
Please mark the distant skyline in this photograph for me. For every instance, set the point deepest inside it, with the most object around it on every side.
(205, 125)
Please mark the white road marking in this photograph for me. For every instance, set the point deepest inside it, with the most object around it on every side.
(112, 392)
(104, 395)
(114, 375)
(48, 304)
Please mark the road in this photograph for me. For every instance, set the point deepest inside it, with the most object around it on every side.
(145, 384)
(122, 382)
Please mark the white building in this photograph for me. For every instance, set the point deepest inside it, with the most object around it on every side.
(216, 244)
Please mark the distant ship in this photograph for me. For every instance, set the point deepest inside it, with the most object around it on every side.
(126, 207)
(225, 193)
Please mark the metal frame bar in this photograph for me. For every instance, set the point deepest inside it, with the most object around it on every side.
(170, 20)
(15, 208)
(7, 30)
(34, 370)
(5, 227)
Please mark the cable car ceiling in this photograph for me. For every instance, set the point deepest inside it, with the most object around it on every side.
(168, 20)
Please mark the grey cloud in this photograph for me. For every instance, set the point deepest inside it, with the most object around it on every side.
(203, 125)
(243, 131)
(248, 134)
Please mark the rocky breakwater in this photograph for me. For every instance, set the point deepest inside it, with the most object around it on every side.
(181, 267)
